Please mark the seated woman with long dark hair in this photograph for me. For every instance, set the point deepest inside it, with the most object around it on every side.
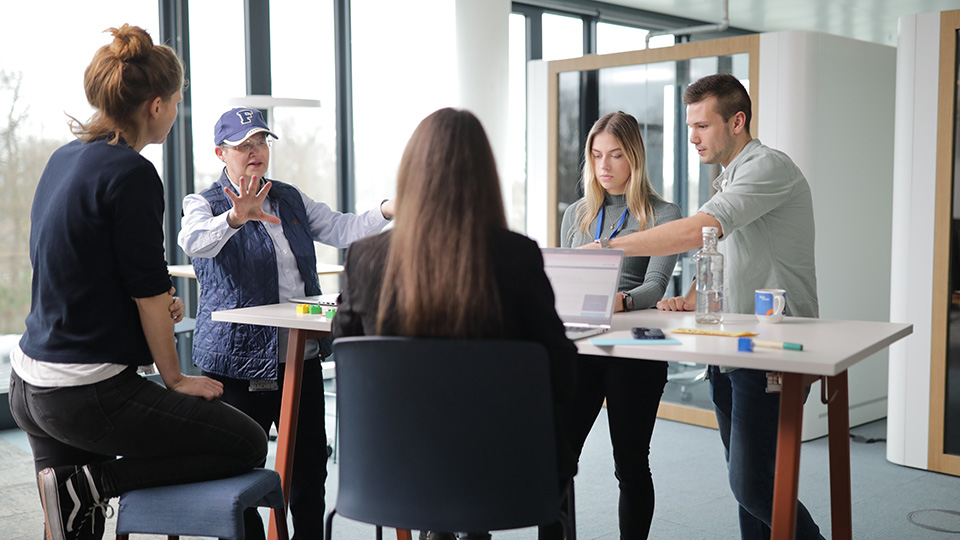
(450, 268)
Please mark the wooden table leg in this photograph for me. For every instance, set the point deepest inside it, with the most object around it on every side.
(289, 410)
(838, 415)
(403, 534)
(784, 525)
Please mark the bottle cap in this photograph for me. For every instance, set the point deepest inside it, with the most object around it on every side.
(713, 230)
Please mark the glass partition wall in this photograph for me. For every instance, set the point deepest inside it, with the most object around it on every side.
(944, 443)
(647, 84)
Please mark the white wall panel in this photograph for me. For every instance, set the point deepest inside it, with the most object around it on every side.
(911, 284)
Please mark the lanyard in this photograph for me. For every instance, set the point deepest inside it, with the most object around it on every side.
(616, 231)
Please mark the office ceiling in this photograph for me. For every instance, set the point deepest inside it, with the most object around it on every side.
(868, 20)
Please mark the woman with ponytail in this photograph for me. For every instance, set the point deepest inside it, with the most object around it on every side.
(102, 306)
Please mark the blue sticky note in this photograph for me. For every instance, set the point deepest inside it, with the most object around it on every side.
(609, 342)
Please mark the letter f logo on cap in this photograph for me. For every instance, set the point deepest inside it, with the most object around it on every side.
(246, 116)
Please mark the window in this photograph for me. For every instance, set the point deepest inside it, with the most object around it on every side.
(614, 38)
(35, 97)
(404, 68)
(302, 66)
(217, 73)
(514, 169)
(562, 36)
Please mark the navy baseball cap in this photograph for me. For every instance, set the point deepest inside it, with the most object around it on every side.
(236, 125)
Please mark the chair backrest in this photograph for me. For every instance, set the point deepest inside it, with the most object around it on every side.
(445, 435)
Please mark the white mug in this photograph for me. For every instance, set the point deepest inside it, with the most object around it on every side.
(770, 305)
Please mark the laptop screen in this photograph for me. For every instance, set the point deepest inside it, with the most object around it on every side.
(584, 282)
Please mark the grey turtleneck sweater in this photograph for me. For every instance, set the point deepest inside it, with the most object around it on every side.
(643, 278)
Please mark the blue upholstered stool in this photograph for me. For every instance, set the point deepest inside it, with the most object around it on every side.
(214, 508)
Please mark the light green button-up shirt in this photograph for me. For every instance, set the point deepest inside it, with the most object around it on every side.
(766, 210)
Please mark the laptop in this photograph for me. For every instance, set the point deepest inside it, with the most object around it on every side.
(585, 285)
(329, 299)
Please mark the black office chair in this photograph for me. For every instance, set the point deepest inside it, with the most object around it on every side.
(447, 435)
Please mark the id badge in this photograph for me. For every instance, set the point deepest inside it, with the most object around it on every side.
(774, 382)
(263, 385)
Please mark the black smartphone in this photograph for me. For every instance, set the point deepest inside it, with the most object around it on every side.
(641, 332)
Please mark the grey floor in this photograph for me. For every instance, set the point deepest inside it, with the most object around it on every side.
(693, 501)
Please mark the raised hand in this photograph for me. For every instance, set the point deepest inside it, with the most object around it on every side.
(248, 204)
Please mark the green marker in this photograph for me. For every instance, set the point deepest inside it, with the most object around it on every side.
(777, 345)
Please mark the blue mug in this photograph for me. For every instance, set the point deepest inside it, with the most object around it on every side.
(770, 305)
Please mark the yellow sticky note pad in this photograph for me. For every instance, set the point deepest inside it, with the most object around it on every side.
(706, 332)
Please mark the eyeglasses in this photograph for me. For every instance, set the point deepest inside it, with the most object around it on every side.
(246, 147)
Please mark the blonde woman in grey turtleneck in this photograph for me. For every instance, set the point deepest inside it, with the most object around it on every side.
(618, 200)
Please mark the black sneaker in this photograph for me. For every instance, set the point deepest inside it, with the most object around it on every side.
(70, 499)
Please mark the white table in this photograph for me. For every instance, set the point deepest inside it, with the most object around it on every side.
(830, 348)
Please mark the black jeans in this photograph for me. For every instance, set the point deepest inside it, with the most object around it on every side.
(632, 389)
(164, 437)
(310, 450)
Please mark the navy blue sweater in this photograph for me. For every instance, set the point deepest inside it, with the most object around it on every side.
(96, 242)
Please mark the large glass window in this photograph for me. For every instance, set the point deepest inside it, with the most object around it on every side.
(515, 181)
(41, 82)
(404, 68)
(951, 412)
(614, 38)
(562, 36)
(217, 73)
(302, 62)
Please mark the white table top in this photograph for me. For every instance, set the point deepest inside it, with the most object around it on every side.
(186, 270)
(282, 315)
(829, 346)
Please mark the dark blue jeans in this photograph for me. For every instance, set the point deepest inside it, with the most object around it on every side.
(748, 418)
(164, 437)
(632, 389)
(310, 450)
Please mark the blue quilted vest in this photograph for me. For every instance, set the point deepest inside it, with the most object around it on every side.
(244, 274)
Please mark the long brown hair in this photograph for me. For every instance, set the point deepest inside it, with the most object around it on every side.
(122, 76)
(439, 278)
(639, 190)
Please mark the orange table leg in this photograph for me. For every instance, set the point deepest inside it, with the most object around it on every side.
(289, 410)
(403, 534)
(838, 418)
(784, 525)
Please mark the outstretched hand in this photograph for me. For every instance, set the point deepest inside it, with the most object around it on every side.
(248, 204)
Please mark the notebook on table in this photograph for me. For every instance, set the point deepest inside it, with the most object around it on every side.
(585, 286)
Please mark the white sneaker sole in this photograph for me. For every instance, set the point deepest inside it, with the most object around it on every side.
(49, 495)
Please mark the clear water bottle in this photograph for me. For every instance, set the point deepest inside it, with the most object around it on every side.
(709, 279)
